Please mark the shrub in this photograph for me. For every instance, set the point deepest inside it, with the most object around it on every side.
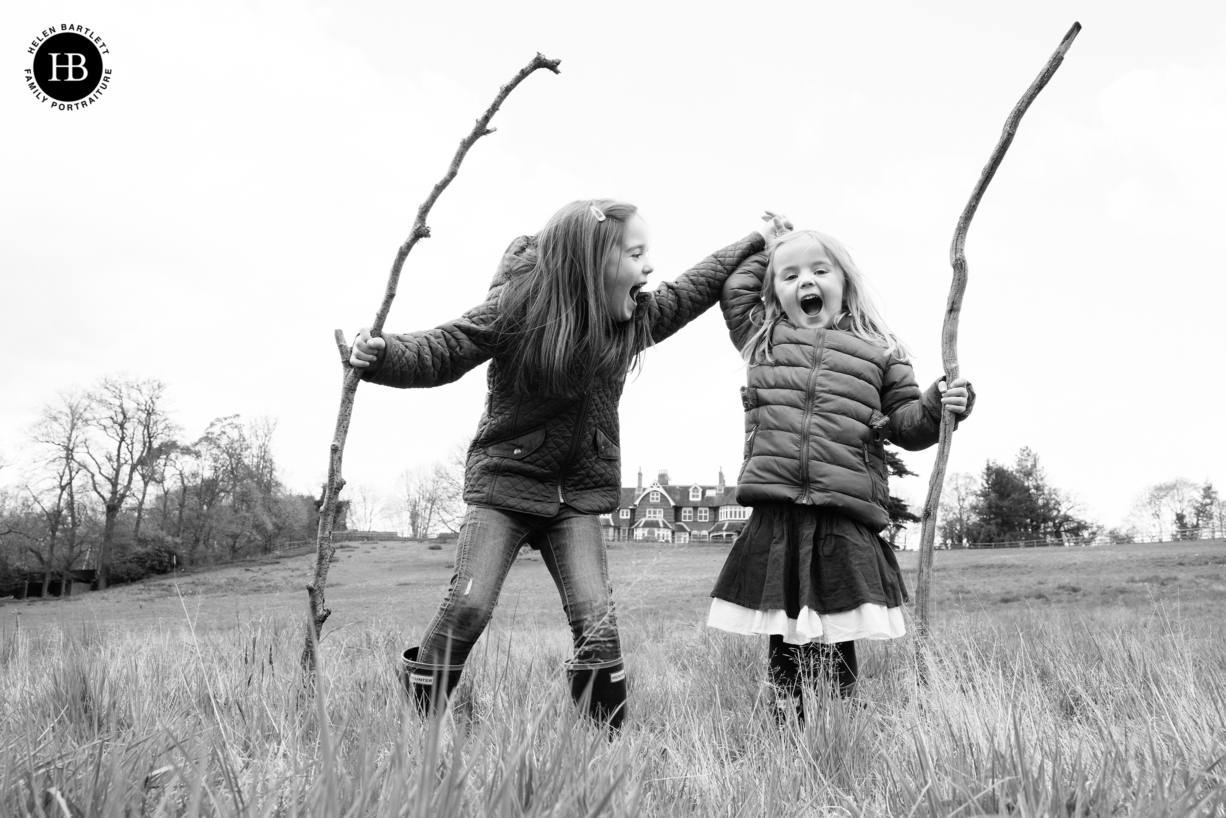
(146, 561)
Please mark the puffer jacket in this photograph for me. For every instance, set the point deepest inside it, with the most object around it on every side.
(817, 416)
(532, 453)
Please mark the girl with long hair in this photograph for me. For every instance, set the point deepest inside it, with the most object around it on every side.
(566, 318)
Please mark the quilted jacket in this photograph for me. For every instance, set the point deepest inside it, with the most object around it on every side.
(532, 453)
(817, 417)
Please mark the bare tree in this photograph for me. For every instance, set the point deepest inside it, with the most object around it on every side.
(430, 498)
(1169, 507)
(116, 444)
(956, 514)
(418, 501)
(262, 465)
(449, 472)
(58, 441)
(157, 433)
(365, 506)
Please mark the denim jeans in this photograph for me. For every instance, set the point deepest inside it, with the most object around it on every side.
(573, 550)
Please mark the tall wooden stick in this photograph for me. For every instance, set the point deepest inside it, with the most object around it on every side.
(324, 549)
(949, 331)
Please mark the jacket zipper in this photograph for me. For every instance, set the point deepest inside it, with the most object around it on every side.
(574, 444)
(809, 400)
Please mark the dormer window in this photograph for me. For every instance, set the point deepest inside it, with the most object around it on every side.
(696, 493)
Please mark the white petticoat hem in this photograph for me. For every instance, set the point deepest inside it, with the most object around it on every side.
(869, 621)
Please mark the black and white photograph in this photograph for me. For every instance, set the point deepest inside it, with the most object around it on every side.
(795, 409)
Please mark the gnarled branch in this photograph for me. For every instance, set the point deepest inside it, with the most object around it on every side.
(949, 331)
(324, 549)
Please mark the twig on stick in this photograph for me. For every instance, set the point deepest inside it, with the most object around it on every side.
(949, 331)
(324, 549)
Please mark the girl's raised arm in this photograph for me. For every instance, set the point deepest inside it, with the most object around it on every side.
(676, 303)
(741, 300)
(701, 286)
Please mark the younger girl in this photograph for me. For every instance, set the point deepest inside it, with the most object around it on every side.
(566, 317)
(828, 384)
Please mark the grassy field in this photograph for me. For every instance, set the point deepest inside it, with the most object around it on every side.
(1061, 682)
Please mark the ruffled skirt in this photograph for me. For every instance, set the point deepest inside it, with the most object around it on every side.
(809, 574)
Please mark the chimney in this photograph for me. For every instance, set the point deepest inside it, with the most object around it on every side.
(662, 479)
(640, 488)
(721, 480)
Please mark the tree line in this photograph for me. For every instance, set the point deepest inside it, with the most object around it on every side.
(108, 480)
(1016, 503)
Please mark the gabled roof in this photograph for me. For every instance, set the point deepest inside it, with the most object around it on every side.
(653, 523)
(655, 487)
(679, 495)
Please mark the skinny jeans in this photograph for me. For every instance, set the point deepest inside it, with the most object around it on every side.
(574, 552)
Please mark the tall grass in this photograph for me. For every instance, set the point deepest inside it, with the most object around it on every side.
(1041, 713)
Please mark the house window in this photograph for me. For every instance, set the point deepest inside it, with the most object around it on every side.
(654, 497)
(695, 493)
(640, 534)
(681, 537)
(625, 514)
(704, 514)
(655, 514)
(734, 513)
(687, 514)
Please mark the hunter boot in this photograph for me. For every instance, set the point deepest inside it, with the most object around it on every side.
(428, 684)
(599, 689)
(784, 680)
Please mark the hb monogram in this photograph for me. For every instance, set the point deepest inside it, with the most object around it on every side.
(73, 63)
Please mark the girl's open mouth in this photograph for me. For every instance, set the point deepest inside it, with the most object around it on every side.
(811, 303)
(634, 292)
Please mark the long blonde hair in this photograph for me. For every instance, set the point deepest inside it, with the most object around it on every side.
(555, 328)
(859, 313)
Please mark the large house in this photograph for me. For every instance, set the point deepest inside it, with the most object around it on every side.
(667, 512)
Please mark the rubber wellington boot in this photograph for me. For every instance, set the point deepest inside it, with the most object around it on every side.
(426, 684)
(783, 662)
(599, 689)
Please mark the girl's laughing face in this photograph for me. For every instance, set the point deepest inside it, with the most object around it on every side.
(808, 284)
(626, 270)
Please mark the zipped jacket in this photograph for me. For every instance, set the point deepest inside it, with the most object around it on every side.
(818, 414)
(532, 453)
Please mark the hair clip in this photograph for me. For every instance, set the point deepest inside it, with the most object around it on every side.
(597, 212)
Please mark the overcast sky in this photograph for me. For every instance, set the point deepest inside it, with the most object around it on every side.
(241, 187)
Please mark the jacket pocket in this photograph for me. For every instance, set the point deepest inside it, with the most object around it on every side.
(606, 449)
(749, 398)
(517, 447)
(877, 479)
(749, 439)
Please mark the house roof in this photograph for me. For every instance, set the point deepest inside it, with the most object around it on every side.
(679, 495)
(653, 523)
